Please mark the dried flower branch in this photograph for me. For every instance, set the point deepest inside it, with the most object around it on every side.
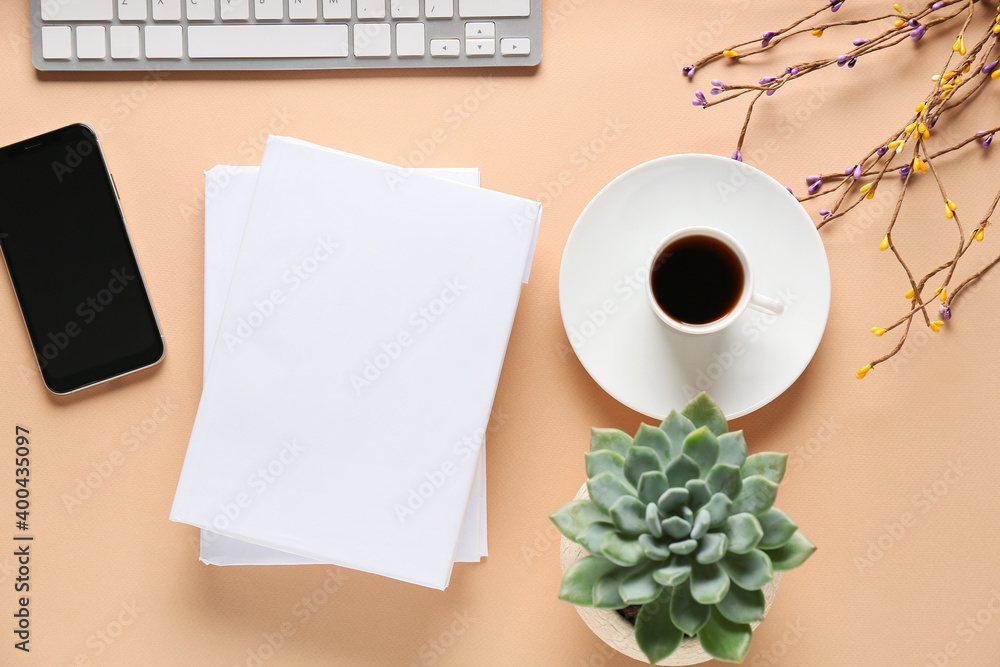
(964, 74)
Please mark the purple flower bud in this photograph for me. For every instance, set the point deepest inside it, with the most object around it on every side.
(700, 95)
(882, 151)
(934, 121)
(859, 42)
(770, 91)
(812, 178)
(913, 23)
(904, 172)
(937, 5)
(814, 187)
(792, 70)
(852, 62)
(836, 6)
(767, 79)
(716, 91)
(917, 33)
(737, 155)
(945, 312)
(987, 141)
(789, 191)
(697, 103)
(842, 60)
(826, 213)
(768, 36)
(689, 71)
(988, 67)
(857, 172)
(716, 82)
(850, 169)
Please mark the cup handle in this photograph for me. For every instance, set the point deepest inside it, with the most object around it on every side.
(766, 304)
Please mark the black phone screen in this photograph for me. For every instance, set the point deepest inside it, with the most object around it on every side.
(70, 259)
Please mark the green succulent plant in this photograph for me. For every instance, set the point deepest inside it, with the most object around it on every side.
(681, 521)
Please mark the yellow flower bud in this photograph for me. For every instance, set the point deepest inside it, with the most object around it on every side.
(920, 107)
(866, 187)
(936, 325)
(884, 244)
(894, 144)
(878, 331)
(898, 8)
(959, 45)
(980, 234)
(996, 29)
(924, 132)
(951, 204)
(900, 23)
(909, 128)
(863, 371)
(996, 74)
(944, 294)
(817, 33)
(948, 75)
(730, 53)
(909, 294)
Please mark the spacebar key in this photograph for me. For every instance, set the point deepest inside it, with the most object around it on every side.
(267, 41)
(493, 8)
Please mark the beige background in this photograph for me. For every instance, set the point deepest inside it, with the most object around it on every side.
(877, 592)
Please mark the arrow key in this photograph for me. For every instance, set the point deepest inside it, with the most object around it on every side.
(480, 47)
(515, 46)
(486, 30)
(445, 48)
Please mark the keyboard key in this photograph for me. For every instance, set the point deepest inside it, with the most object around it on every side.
(439, 9)
(409, 40)
(235, 10)
(480, 30)
(445, 48)
(405, 9)
(480, 47)
(337, 9)
(90, 43)
(267, 41)
(515, 46)
(57, 42)
(372, 40)
(164, 42)
(77, 10)
(166, 10)
(125, 42)
(201, 10)
(490, 8)
(269, 10)
(371, 9)
(131, 10)
(302, 10)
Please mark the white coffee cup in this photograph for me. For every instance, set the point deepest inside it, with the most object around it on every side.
(748, 298)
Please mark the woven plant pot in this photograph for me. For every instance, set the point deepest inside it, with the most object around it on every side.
(619, 634)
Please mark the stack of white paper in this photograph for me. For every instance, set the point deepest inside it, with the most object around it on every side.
(353, 363)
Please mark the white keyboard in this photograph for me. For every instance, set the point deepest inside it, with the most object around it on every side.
(109, 35)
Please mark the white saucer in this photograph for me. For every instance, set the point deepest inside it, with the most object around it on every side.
(610, 323)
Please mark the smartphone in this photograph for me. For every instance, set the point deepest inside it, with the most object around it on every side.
(70, 259)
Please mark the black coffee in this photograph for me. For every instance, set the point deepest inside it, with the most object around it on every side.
(697, 279)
